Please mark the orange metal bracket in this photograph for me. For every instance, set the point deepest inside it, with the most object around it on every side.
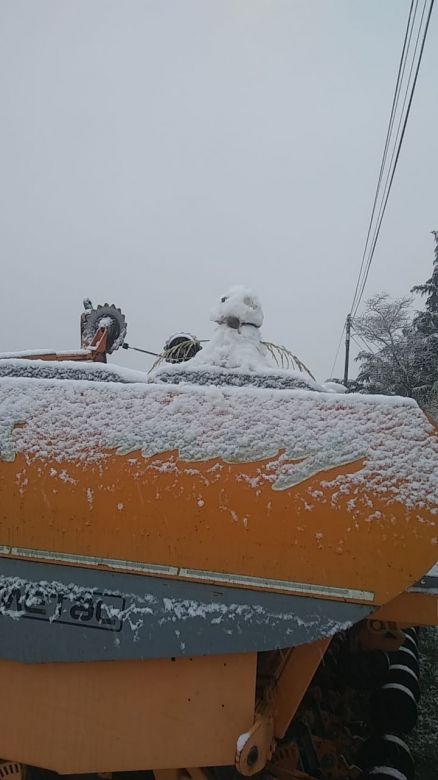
(98, 345)
(258, 746)
(411, 609)
(279, 705)
(300, 665)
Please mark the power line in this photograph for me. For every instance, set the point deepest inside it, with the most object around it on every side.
(356, 342)
(364, 342)
(397, 149)
(337, 352)
(400, 74)
(383, 195)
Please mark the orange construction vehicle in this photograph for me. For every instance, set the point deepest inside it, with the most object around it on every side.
(209, 570)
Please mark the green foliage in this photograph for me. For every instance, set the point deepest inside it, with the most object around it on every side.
(425, 327)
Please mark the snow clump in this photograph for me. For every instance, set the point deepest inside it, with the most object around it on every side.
(236, 342)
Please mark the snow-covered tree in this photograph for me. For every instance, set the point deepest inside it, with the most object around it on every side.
(403, 354)
(389, 365)
(426, 328)
(427, 321)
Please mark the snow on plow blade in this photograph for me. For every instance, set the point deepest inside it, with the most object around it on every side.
(152, 521)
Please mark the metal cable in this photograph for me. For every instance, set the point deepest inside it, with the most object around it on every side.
(337, 353)
(397, 153)
(365, 266)
(400, 74)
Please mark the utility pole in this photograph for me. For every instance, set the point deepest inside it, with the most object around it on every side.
(347, 348)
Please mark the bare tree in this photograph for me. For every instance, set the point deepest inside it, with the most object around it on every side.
(384, 320)
(388, 365)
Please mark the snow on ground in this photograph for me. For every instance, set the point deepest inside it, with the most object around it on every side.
(299, 432)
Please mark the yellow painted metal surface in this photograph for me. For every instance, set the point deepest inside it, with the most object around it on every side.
(108, 717)
(411, 609)
(295, 677)
(142, 513)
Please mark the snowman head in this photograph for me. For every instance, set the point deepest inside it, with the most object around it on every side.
(239, 306)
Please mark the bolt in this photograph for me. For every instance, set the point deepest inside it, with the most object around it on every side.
(252, 756)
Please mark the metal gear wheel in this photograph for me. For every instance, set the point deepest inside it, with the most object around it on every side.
(105, 315)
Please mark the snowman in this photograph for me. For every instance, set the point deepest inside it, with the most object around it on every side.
(236, 342)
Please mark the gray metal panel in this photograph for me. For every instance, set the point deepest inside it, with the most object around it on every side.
(51, 613)
(428, 584)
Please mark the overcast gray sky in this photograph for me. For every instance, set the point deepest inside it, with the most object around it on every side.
(154, 153)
